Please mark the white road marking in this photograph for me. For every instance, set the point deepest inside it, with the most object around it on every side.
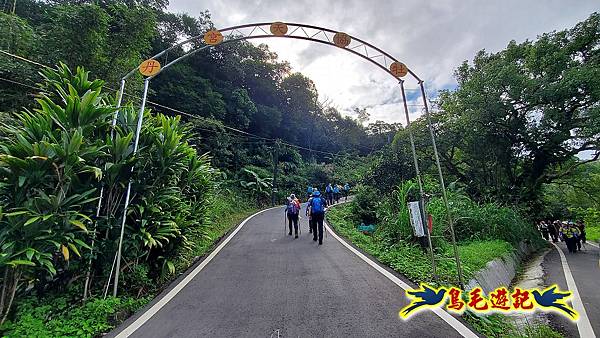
(166, 298)
(455, 323)
(592, 244)
(583, 323)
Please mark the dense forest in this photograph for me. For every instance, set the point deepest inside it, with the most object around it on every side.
(518, 139)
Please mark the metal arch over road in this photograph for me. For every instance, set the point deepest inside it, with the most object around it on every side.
(312, 33)
(151, 68)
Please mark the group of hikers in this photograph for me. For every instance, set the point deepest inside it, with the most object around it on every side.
(315, 208)
(333, 192)
(572, 233)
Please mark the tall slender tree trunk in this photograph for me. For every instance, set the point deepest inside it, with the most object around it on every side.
(16, 275)
(3, 295)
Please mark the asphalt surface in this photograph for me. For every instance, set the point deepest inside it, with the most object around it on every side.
(585, 269)
(265, 283)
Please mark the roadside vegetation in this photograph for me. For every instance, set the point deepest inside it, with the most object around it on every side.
(510, 139)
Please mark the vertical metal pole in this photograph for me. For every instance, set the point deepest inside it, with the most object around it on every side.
(89, 272)
(414, 153)
(128, 194)
(444, 196)
(119, 100)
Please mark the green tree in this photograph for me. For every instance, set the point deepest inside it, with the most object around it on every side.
(521, 113)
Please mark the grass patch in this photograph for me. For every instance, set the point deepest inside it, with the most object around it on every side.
(501, 326)
(475, 255)
(411, 260)
(225, 212)
(592, 233)
(56, 316)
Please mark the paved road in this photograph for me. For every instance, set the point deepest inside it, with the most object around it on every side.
(264, 283)
(584, 266)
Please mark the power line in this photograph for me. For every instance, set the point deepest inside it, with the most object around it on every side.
(171, 109)
(19, 83)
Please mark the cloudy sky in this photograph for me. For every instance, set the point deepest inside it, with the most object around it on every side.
(431, 37)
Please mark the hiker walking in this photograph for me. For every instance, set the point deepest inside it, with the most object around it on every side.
(329, 193)
(308, 213)
(336, 193)
(317, 211)
(346, 191)
(553, 229)
(570, 233)
(309, 191)
(292, 210)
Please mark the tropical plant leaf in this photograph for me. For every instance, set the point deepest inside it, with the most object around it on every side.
(65, 252)
(78, 224)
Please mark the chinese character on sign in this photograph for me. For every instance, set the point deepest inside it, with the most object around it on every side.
(341, 39)
(499, 299)
(455, 304)
(213, 37)
(477, 301)
(279, 28)
(149, 67)
(398, 69)
(520, 298)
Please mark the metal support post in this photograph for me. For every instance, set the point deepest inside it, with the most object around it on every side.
(128, 194)
(443, 186)
(417, 171)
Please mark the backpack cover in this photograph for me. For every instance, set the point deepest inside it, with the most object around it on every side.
(317, 205)
(294, 207)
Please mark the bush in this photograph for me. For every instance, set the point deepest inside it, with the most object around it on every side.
(409, 258)
(365, 205)
(59, 160)
(393, 214)
(486, 221)
(57, 317)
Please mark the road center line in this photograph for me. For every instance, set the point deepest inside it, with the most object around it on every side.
(583, 323)
(166, 298)
(455, 323)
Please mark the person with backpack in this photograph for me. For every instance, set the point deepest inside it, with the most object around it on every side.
(336, 193)
(317, 207)
(329, 192)
(293, 210)
(553, 229)
(569, 232)
(309, 191)
(307, 211)
(346, 191)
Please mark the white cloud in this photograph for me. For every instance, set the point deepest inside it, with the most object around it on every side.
(432, 38)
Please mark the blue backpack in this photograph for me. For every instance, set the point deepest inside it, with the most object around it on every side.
(316, 206)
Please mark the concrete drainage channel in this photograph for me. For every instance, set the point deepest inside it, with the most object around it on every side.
(502, 272)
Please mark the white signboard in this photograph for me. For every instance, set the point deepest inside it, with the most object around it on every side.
(415, 218)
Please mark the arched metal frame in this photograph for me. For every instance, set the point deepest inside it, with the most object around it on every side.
(305, 32)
